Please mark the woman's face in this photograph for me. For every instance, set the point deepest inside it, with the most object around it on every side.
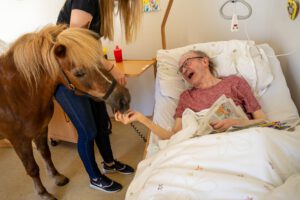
(193, 67)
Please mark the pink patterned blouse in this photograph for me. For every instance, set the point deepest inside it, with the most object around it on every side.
(233, 87)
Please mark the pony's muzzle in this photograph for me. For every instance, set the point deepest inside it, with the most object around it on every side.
(119, 99)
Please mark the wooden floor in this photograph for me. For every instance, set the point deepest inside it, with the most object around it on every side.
(127, 146)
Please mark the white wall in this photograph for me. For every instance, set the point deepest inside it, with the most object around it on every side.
(189, 21)
(21, 16)
(284, 37)
(192, 21)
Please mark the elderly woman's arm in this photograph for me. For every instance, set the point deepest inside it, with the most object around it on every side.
(222, 125)
(157, 130)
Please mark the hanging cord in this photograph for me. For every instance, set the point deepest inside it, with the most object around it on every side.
(270, 56)
(283, 54)
(138, 132)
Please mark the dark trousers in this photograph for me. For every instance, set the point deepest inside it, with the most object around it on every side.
(93, 125)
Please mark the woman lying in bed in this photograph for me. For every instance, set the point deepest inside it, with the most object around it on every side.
(197, 69)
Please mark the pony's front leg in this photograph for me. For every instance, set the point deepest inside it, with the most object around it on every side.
(42, 146)
(23, 148)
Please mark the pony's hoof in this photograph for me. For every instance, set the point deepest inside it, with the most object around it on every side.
(61, 180)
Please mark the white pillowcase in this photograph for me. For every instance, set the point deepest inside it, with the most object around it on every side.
(3, 46)
(234, 57)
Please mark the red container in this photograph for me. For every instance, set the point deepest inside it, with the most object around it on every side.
(118, 54)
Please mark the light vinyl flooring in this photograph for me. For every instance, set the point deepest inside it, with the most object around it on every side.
(15, 184)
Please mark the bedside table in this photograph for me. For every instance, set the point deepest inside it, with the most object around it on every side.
(134, 68)
(60, 126)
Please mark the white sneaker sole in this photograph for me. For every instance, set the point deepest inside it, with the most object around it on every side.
(103, 190)
(105, 171)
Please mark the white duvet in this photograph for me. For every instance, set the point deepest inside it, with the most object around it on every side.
(251, 164)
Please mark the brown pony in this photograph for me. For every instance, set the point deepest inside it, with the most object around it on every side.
(30, 70)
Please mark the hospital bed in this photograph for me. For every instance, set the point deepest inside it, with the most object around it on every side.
(253, 163)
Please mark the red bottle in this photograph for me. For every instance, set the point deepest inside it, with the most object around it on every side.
(118, 54)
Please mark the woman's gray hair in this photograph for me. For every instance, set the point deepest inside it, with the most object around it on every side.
(211, 65)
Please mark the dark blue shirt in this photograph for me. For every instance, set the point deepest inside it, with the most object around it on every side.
(90, 6)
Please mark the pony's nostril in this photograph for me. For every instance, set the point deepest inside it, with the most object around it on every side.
(124, 104)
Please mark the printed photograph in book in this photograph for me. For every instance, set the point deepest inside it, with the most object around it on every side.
(223, 108)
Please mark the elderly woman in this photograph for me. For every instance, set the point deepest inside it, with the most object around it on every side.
(197, 69)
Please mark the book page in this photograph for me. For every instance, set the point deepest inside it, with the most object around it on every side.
(223, 108)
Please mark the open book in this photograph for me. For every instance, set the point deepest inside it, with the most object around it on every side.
(223, 108)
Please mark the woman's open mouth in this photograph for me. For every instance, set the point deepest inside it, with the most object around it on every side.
(190, 75)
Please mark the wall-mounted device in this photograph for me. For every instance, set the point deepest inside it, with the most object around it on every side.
(239, 17)
(234, 17)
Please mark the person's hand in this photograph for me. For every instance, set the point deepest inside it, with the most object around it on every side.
(118, 75)
(127, 117)
(223, 125)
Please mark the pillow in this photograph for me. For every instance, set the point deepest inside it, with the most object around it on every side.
(234, 57)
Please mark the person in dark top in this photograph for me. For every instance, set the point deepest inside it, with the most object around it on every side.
(89, 117)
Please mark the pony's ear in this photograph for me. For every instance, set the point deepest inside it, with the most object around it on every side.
(60, 50)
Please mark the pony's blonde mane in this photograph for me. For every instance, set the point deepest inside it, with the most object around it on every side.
(34, 53)
(83, 49)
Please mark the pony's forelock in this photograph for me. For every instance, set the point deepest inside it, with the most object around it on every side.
(76, 39)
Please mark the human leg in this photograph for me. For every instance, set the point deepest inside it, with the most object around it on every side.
(103, 128)
(103, 141)
(79, 110)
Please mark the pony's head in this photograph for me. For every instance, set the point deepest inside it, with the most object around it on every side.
(79, 54)
(73, 57)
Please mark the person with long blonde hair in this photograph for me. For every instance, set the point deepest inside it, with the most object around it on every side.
(89, 117)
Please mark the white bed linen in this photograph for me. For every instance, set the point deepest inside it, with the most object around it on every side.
(251, 164)
(276, 100)
(3, 46)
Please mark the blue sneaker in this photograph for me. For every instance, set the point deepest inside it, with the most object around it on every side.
(117, 167)
(104, 184)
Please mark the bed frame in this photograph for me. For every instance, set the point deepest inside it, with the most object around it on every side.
(164, 46)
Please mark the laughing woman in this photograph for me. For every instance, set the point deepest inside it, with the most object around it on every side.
(198, 70)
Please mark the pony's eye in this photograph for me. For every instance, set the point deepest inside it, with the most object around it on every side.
(79, 73)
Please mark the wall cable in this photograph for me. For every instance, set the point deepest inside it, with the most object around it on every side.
(270, 56)
(138, 132)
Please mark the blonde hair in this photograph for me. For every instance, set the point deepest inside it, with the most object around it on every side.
(32, 56)
(34, 53)
(130, 13)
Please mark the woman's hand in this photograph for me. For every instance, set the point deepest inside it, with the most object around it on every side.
(128, 117)
(118, 75)
(223, 125)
